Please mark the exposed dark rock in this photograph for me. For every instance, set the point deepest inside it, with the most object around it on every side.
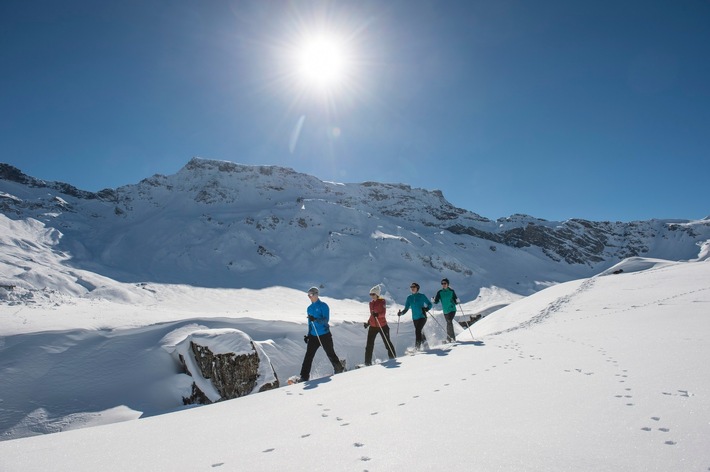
(231, 374)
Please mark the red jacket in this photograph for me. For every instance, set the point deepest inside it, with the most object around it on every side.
(377, 313)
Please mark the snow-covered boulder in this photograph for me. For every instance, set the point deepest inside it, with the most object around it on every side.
(224, 364)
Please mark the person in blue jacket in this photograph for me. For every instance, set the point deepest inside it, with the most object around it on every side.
(318, 335)
(419, 304)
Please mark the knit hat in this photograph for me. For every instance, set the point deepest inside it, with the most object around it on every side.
(375, 290)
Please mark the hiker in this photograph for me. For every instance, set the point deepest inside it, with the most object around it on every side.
(377, 324)
(318, 335)
(448, 299)
(419, 304)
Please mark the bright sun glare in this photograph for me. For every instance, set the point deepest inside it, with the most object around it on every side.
(322, 62)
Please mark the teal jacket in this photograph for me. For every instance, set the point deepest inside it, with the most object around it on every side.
(416, 302)
(448, 299)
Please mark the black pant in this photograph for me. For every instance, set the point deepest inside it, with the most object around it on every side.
(371, 335)
(314, 342)
(450, 325)
(418, 335)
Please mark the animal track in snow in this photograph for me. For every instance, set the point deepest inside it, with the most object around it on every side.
(580, 371)
(680, 393)
(661, 429)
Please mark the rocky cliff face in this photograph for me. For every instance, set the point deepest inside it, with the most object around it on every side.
(222, 224)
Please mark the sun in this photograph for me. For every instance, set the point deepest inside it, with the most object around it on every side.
(322, 62)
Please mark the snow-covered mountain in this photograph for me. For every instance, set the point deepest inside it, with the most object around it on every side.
(220, 224)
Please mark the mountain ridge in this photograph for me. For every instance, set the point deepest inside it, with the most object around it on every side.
(222, 224)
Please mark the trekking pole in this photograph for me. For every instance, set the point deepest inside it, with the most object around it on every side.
(396, 335)
(439, 324)
(391, 349)
(317, 335)
(469, 326)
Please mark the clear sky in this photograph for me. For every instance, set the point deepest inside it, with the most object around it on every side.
(557, 109)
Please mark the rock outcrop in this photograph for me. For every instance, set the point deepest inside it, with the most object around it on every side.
(224, 364)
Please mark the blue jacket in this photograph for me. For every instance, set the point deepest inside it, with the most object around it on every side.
(320, 311)
(416, 302)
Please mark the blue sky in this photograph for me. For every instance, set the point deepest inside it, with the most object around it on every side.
(556, 109)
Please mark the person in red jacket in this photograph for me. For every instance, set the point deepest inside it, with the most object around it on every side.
(377, 324)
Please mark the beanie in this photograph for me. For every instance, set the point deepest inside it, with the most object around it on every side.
(375, 290)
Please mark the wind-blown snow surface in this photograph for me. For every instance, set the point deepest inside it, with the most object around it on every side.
(606, 374)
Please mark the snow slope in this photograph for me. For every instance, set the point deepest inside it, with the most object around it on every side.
(608, 373)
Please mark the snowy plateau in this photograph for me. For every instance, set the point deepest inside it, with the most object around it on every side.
(591, 353)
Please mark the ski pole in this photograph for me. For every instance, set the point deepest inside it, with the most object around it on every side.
(469, 326)
(439, 324)
(317, 335)
(389, 345)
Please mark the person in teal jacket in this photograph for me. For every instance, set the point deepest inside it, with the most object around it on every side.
(448, 300)
(419, 304)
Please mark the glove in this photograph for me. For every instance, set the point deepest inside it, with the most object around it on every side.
(366, 324)
(305, 339)
(399, 313)
(311, 318)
